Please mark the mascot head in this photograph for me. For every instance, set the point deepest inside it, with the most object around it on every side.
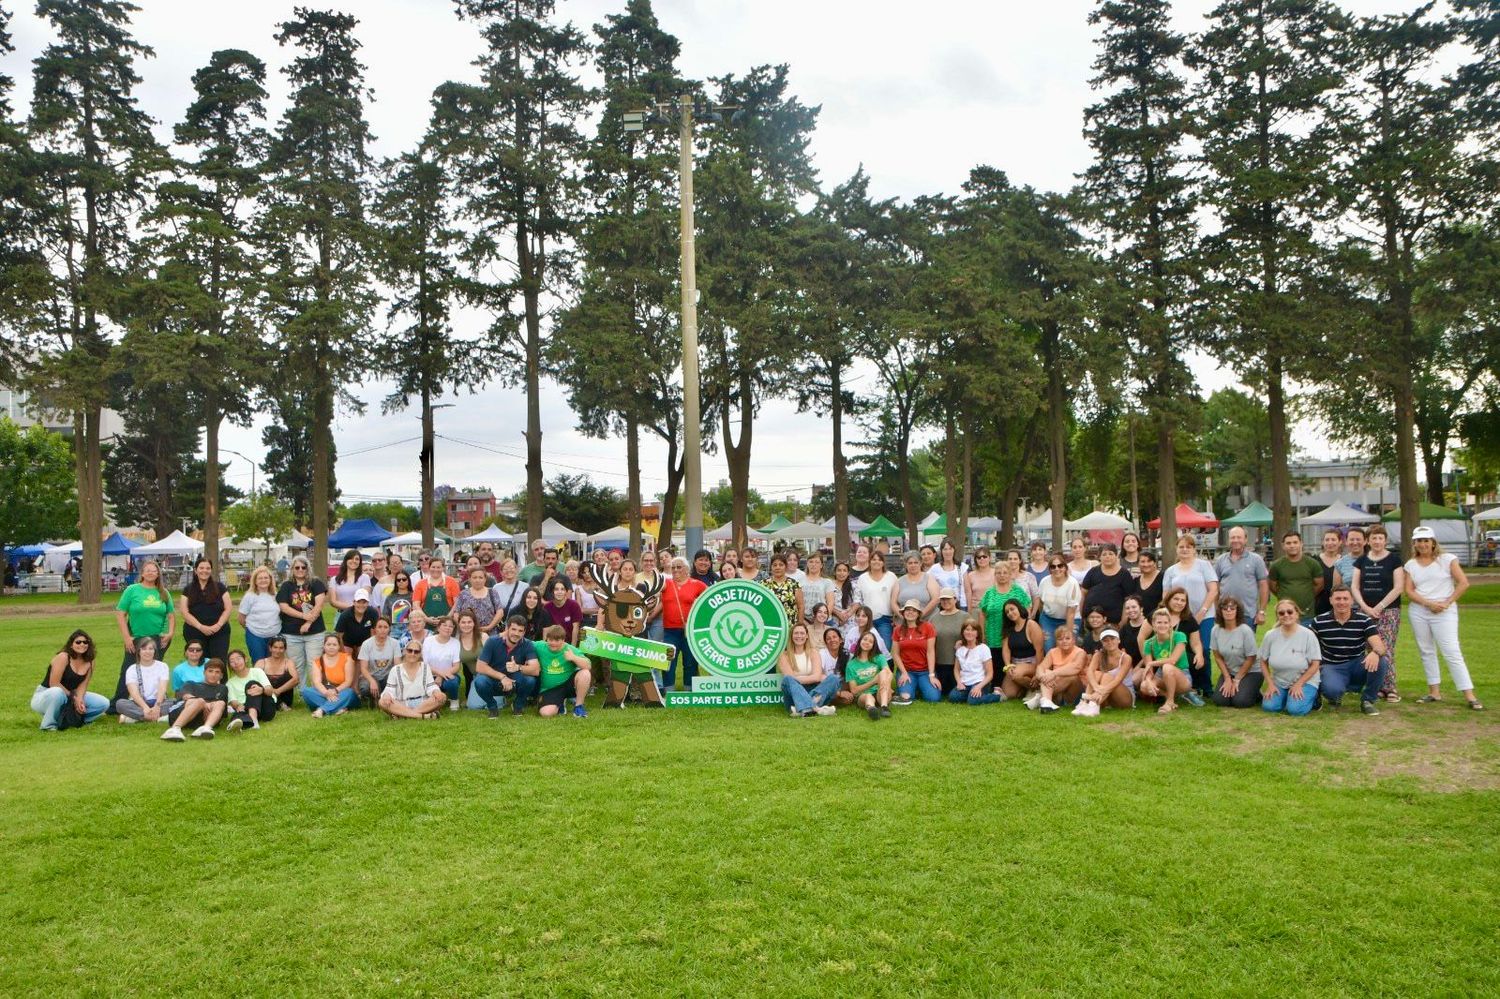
(625, 609)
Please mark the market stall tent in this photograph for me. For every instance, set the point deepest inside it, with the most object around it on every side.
(1098, 520)
(491, 533)
(725, 532)
(1449, 526)
(855, 524)
(1336, 515)
(804, 530)
(1188, 518)
(1257, 514)
(880, 527)
(175, 543)
(118, 544)
(358, 534)
(778, 523)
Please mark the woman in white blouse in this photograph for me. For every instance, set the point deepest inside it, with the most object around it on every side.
(1434, 582)
(441, 652)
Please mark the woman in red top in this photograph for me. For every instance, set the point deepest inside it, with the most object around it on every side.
(915, 644)
(676, 604)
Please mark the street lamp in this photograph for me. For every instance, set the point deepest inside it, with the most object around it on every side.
(636, 121)
(253, 466)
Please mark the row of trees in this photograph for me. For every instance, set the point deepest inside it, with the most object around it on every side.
(1298, 192)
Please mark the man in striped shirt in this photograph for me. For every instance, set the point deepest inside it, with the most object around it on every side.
(1353, 652)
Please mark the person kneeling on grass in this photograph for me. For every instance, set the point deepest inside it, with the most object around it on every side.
(146, 685)
(203, 701)
(806, 687)
(1107, 678)
(507, 664)
(330, 687)
(1352, 652)
(1163, 671)
(66, 682)
(560, 663)
(411, 689)
(1290, 659)
(974, 665)
(250, 697)
(1060, 675)
(868, 678)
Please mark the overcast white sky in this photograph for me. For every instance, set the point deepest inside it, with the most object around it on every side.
(918, 93)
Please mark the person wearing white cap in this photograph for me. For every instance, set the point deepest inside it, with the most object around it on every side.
(1107, 678)
(356, 622)
(1434, 582)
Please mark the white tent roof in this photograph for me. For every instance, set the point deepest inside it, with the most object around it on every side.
(621, 533)
(491, 533)
(175, 543)
(71, 547)
(726, 533)
(804, 530)
(928, 520)
(984, 525)
(1041, 522)
(1099, 520)
(855, 524)
(1493, 513)
(1339, 513)
(297, 540)
(1447, 530)
(438, 537)
(553, 532)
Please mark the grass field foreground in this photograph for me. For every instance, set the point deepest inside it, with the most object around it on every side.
(947, 850)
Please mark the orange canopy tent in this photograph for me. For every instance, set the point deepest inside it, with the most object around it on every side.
(1189, 518)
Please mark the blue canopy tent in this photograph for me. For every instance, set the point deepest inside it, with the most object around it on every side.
(14, 555)
(358, 534)
(118, 544)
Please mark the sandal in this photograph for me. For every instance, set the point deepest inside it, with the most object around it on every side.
(1429, 699)
(1475, 706)
(1391, 697)
(1167, 708)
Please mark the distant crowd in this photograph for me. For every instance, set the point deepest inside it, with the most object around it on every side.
(1092, 628)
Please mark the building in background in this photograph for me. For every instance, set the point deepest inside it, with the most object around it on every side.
(469, 510)
(18, 405)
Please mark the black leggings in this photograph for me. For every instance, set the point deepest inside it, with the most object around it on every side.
(264, 704)
(1248, 694)
(285, 697)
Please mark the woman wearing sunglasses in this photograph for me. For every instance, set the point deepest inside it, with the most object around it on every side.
(66, 681)
(411, 689)
(1290, 659)
(1060, 597)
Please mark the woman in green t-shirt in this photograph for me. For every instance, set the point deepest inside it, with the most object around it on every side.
(144, 610)
(867, 678)
(1164, 671)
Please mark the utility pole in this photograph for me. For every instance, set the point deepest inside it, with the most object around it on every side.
(692, 458)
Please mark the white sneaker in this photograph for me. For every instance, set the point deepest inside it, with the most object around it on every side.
(1046, 705)
(1032, 701)
(173, 734)
(453, 705)
(1093, 709)
(827, 709)
(127, 720)
(1082, 711)
(203, 732)
(794, 711)
(235, 724)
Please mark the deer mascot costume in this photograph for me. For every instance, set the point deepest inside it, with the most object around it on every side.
(625, 612)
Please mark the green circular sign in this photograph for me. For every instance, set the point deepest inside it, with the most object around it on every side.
(737, 629)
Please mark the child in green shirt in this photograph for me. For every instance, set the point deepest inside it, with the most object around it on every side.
(868, 678)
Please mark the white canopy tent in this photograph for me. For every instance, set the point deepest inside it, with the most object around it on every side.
(1099, 520)
(726, 533)
(1449, 532)
(804, 530)
(175, 543)
(491, 533)
(415, 538)
(927, 521)
(855, 524)
(1041, 522)
(1493, 513)
(1338, 513)
(56, 557)
(984, 525)
(553, 533)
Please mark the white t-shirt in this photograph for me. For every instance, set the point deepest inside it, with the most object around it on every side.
(439, 654)
(1433, 581)
(876, 595)
(951, 579)
(970, 663)
(262, 615)
(148, 680)
(1056, 600)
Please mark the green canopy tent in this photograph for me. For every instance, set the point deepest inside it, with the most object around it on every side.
(1257, 514)
(1426, 511)
(937, 527)
(778, 523)
(882, 528)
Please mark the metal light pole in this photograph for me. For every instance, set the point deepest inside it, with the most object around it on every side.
(692, 459)
(253, 466)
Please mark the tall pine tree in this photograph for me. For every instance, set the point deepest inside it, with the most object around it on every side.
(1139, 192)
(316, 235)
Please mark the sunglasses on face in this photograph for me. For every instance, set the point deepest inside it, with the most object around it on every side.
(414, 651)
(1286, 613)
(1056, 566)
(82, 641)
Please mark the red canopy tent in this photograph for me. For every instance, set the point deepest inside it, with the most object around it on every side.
(1189, 518)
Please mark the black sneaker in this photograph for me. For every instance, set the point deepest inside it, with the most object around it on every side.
(873, 712)
(493, 713)
(1330, 704)
(885, 711)
(1369, 708)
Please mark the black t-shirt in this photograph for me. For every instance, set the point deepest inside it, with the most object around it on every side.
(1377, 577)
(301, 595)
(1150, 595)
(207, 691)
(1321, 602)
(355, 629)
(1108, 593)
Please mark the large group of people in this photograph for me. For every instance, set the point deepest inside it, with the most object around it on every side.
(1087, 628)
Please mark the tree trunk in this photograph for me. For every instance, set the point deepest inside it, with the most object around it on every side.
(322, 430)
(1432, 465)
(1057, 443)
(89, 466)
(950, 471)
(1166, 482)
(840, 470)
(1406, 455)
(1135, 482)
(633, 483)
(1281, 475)
(737, 455)
(533, 414)
(428, 471)
(211, 486)
(908, 500)
(961, 536)
(676, 470)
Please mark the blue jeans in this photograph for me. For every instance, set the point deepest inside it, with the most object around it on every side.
(961, 695)
(921, 685)
(258, 648)
(48, 702)
(344, 700)
(655, 630)
(450, 686)
(1049, 625)
(795, 695)
(1202, 679)
(1339, 677)
(677, 638)
(1282, 700)
(489, 689)
(883, 627)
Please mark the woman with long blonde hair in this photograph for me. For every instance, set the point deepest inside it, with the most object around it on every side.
(259, 615)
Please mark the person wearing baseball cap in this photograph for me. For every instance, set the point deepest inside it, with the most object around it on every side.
(1434, 582)
(356, 622)
(1106, 678)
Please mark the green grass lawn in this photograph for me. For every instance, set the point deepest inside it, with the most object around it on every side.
(945, 851)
